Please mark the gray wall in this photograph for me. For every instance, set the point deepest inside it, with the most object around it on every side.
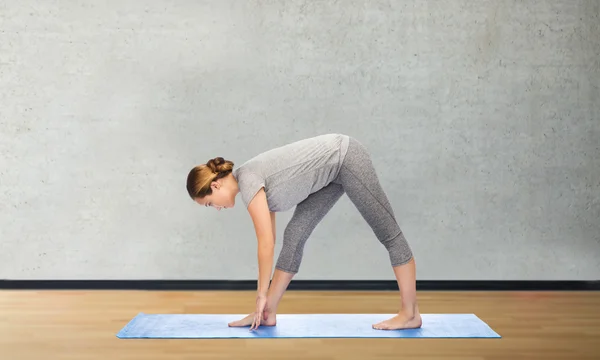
(483, 118)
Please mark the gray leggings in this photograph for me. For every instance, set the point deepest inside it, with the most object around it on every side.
(358, 179)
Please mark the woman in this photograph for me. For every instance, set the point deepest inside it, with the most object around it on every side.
(310, 174)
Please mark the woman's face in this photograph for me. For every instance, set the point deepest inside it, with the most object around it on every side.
(222, 197)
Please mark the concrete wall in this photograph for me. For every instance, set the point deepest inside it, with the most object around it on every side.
(483, 118)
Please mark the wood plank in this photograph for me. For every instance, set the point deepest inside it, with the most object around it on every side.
(83, 324)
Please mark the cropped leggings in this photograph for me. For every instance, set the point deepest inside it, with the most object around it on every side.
(357, 178)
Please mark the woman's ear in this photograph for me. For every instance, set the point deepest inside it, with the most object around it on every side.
(215, 185)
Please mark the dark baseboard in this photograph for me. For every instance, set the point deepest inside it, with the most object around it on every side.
(313, 285)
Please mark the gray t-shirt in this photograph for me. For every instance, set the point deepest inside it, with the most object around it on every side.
(292, 172)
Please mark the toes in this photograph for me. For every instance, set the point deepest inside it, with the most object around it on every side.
(380, 326)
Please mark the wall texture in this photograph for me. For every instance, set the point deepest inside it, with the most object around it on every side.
(483, 118)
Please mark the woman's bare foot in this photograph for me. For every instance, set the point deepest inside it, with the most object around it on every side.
(400, 321)
(247, 321)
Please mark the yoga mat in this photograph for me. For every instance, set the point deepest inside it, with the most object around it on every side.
(214, 326)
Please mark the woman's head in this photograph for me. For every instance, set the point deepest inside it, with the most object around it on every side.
(213, 184)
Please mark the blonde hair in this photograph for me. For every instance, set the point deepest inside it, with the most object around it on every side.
(201, 177)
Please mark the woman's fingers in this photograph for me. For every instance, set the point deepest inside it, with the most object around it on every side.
(256, 322)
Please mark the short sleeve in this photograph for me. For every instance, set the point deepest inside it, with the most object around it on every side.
(249, 184)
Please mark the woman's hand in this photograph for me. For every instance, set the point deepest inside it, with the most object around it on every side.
(261, 302)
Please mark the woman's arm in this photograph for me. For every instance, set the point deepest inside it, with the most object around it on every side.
(273, 226)
(262, 219)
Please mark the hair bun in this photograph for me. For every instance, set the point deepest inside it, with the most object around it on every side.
(219, 165)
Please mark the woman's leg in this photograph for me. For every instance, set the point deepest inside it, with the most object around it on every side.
(360, 182)
(307, 215)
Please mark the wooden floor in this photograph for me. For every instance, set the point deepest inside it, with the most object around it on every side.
(82, 325)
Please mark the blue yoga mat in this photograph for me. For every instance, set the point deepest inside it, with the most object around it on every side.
(213, 326)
